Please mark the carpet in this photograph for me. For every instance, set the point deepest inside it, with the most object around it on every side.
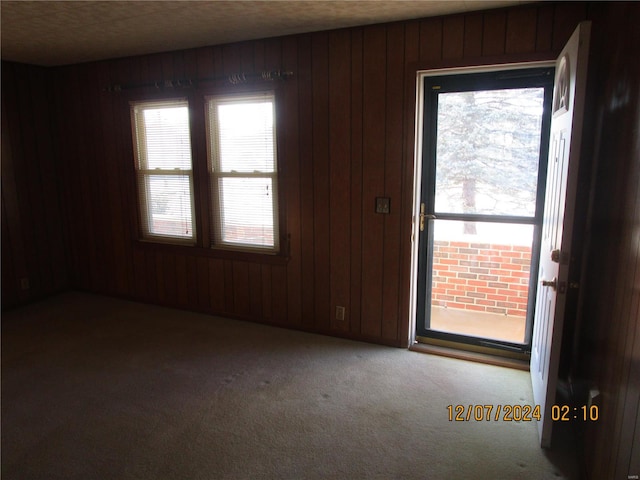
(101, 388)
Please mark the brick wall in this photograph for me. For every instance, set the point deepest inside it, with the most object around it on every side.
(481, 277)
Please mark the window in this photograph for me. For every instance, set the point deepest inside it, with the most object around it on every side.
(163, 170)
(240, 171)
(243, 173)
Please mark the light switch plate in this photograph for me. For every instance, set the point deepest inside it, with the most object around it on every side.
(383, 205)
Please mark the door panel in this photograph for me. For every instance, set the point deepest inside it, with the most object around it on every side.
(485, 139)
(562, 175)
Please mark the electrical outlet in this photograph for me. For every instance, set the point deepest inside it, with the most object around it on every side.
(340, 313)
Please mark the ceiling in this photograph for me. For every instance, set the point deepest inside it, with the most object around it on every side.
(66, 32)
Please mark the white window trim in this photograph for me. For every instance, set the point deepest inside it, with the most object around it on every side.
(142, 174)
(215, 174)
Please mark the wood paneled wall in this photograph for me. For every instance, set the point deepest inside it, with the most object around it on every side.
(347, 136)
(33, 245)
(607, 355)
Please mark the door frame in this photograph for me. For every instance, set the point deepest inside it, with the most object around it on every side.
(417, 174)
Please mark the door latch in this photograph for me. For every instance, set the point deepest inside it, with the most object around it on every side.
(423, 216)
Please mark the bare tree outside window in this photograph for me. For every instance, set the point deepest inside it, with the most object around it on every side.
(488, 150)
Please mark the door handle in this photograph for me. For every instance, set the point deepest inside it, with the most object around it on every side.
(423, 216)
(551, 283)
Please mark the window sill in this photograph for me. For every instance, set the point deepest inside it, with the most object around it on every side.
(224, 254)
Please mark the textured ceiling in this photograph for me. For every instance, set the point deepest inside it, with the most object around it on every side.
(65, 32)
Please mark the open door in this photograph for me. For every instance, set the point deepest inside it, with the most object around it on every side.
(561, 185)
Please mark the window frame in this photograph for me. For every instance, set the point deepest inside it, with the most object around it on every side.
(215, 172)
(201, 191)
(142, 191)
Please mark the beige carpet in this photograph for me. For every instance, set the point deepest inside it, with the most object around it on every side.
(99, 388)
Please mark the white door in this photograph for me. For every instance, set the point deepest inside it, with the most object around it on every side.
(562, 175)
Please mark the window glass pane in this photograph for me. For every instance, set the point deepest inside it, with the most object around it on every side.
(168, 144)
(246, 211)
(487, 151)
(480, 279)
(169, 205)
(245, 136)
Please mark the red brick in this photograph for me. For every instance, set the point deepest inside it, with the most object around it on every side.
(499, 298)
(515, 280)
(489, 278)
(522, 249)
(464, 299)
(517, 313)
(459, 244)
(446, 274)
(445, 297)
(477, 283)
(476, 295)
(510, 255)
(501, 247)
(458, 269)
(456, 305)
(486, 290)
(447, 261)
(500, 272)
(457, 293)
(489, 303)
(496, 310)
(510, 266)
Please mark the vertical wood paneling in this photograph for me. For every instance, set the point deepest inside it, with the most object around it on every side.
(493, 36)
(473, 24)
(452, 37)
(305, 106)
(216, 285)
(521, 31)
(255, 290)
(339, 173)
(344, 138)
(181, 280)
(373, 153)
(355, 201)
(290, 121)
(279, 294)
(395, 87)
(266, 292)
(241, 297)
(192, 281)
(567, 15)
(544, 28)
(204, 298)
(431, 40)
(320, 127)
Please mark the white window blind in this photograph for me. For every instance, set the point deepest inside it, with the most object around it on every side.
(243, 173)
(164, 170)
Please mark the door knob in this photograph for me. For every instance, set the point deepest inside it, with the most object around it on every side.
(551, 283)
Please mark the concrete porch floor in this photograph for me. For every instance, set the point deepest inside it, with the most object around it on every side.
(478, 324)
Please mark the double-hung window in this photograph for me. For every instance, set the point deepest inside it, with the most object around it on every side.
(241, 165)
(164, 174)
(243, 171)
